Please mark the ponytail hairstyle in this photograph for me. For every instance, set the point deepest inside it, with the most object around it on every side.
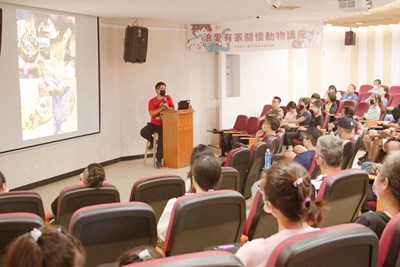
(45, 247)
(207, 172)
(288, 187)
(94, 175)
(139, 254)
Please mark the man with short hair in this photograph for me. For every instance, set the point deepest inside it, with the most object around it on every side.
(276, 111)
(156, 105)
(329, 156)
(375, 87)
(350, 95)
(268, 132)
(345, 129)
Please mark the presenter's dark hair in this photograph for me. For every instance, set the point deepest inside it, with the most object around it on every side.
(159, 84)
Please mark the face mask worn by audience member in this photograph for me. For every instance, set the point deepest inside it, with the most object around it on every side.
(376, 192)
(264, 127)
(162, 92)
(315, 109)
(372, 101)
(301, 107)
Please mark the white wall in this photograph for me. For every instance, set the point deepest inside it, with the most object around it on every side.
(125, 90)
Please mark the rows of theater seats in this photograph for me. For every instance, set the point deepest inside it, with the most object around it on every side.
(198, 221)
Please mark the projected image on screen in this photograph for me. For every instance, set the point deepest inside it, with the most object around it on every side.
(47, 78)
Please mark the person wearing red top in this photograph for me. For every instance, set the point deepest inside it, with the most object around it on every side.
(157, 104)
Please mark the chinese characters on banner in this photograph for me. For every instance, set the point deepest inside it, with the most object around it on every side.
(216, 38)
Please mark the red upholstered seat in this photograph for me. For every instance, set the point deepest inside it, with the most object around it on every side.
(205, 219)
(389, 245)
(22, 201)
(256, 163)
(362, 108)
(240, 123)
(265, 110)
(365, 88)
(339, 104)
(15, 224)
(347, 245)
(395, 100)
(395, 89)
(75, 197)
(230, 179)
(364, 96)
(239, 158)
(259, 224)
(157, 190)
(350, 103)
(107, 230)
(344, 192)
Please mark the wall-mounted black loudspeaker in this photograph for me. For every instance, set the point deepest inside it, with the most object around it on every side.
(350, 38)
(1, 26)
(135, 46)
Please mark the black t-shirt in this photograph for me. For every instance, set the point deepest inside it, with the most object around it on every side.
(317, 121)
(54, 205)
(376, 221)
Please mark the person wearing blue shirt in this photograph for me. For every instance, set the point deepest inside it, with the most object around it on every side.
(350, 95)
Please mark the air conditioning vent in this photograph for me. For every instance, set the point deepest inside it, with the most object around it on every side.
(354, 5)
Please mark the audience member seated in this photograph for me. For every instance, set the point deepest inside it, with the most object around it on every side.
(345, 129)
(139, 254)
(45, 247)
(3, 185)
(387, 187)
(92, 176)
(291, 113)
(206, 172)
(333, 89)
(350, 95)
(318, 119)
(374, 111)
(329, 156)
(197, 152)
(276, 111)
(306, 156)
(383, 90)
(345, 112)
(268, 132)
(314, 97)
(287, 193)
(330, 103)
(374, 139)
(303, 118)
(375, 87)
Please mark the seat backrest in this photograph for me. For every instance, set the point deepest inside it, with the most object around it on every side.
(362, 108)
(364, 96)
(365, 88)
(265, 110)
(239, 158)
(280, 134)
(205, 219)
(358, 128)
(326, 120)
(349, 103)
(259, 224)
(15, 224)
(389, 244)
(346, 155)
(257, 161)
(339, 104)
(230, 179)
(395, 100)
(395, 89)
(285, 109)
(107, 230)
(347, 245)
(198, 259)
(344, 192)
(355, 146)
(252, 125)
(22, 201)
(75, 197)
(157, 190)
(240, 123)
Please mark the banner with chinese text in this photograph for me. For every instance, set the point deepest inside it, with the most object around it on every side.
(238, 37)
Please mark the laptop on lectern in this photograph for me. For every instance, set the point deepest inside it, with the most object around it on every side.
(183, 104)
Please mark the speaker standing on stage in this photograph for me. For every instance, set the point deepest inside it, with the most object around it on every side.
(157, 104)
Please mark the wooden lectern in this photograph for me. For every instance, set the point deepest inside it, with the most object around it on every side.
(177, 137)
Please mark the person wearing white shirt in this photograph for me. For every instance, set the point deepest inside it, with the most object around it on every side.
(206, 172)
(329, 156)
(287, 193)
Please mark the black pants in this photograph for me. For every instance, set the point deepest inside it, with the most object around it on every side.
(289, 135)
(147, 132)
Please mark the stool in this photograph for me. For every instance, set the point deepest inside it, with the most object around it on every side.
(154, 150)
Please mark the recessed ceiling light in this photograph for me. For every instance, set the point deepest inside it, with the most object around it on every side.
(366, 13)
(358, 23)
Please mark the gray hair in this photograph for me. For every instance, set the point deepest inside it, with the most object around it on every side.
(330, 148)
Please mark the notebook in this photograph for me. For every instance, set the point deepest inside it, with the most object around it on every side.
(183, 104)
